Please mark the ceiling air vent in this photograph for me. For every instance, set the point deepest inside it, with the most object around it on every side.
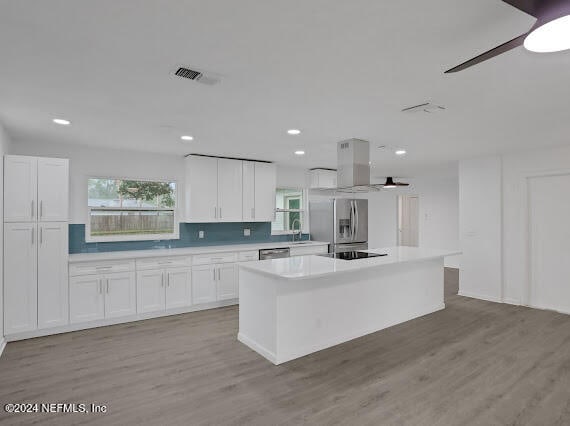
(188, 73)
(197, 76)
(424, 107)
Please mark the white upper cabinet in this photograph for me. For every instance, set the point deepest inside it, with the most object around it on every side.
(52, 274)
(201, 189)
(323, 178)
(229, 190)
(265, 184)
(36, 189)
(20, 188)
(226, 190)
(20, 277)
(53, 189)
(248, 171)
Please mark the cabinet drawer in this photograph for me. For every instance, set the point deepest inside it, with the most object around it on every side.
(163, 262)
(205, 259)
(301, 251)
(246, 256)
(89, 268)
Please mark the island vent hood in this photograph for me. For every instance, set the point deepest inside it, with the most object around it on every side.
(353, 171)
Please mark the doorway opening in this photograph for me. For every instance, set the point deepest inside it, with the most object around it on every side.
(408, 220)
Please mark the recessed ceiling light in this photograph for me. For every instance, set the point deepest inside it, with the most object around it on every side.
(299, 152)
(293, 131)
(553, 36)
(187, 138)
(61, 121)
(400, 152)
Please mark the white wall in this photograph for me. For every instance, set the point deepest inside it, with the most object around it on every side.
(4, 147)
(509, 219)
(480, 228)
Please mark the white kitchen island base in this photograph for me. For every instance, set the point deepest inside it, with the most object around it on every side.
(293, 307)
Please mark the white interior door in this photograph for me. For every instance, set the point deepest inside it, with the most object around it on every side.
(549, 210)
(408, 220)
(53, 189)
(230, 207)
(52, 274)
(20, 277)
(120, 294)
(150, 286)
(178, 288)
(20, 188)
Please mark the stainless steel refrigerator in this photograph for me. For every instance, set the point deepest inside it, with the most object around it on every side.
(342, 222)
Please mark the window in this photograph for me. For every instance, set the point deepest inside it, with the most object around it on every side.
(289, 212)
(129, 210)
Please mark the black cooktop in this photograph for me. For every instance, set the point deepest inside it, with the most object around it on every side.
(353, 255)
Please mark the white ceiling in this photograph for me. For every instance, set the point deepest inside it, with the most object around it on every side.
(334, 69)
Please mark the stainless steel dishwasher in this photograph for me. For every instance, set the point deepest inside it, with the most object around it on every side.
(276, 253)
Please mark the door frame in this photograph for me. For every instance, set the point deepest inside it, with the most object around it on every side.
(527, 230)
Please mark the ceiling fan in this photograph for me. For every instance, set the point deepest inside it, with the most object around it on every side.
(550, 33)
(391, 184)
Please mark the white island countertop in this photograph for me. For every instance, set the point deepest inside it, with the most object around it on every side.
(185, 251)
(312, 266)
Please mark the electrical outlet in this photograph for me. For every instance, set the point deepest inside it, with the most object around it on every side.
(200, 234)
(246, 232)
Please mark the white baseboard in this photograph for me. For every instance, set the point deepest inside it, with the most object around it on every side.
(120, 320)
(270, 356)
(480, 296)
(2, 345)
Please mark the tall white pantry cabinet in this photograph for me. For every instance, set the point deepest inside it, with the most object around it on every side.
(36, 210)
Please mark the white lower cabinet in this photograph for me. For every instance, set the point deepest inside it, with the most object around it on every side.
(227, 284)
(95, 297)
(163, 289)
(204, 284)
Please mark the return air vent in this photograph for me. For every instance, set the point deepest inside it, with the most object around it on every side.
(188, 73)
(195, 75)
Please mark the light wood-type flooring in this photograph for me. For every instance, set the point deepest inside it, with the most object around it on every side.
(474, 362)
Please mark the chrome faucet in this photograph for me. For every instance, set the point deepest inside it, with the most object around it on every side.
(300, 234)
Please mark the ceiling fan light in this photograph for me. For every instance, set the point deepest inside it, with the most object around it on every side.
(552, 36)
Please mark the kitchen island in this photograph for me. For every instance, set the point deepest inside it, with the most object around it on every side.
(295, 306)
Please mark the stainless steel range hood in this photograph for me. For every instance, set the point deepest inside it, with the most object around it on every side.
(353, 171)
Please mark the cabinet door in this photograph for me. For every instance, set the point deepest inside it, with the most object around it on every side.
(227, 284)
(150, 288)
(248, 172)
(20, 277)
(230, 190)
(20, 188)
(178, 288)
(201, 189)
(265, 183)
(203, 284)
(120, 294)
(52, 274)
(86, 298)
(53, 189)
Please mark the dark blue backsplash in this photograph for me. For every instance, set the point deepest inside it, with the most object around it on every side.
(214, 234)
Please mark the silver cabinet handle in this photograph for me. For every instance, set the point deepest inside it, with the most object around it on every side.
(107, 285)
(41, 235)
(41, 209)
(33, 236)
(218, 274)
(162, 280)
(100, 285)
(214, 270)
(32, 208)
(168, 279)
(253, 212)
(215, 212)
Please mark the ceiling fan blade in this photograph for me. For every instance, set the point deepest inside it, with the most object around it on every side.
(505, 47)
(530, 7)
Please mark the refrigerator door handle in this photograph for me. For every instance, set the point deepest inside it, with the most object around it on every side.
(356, 224)
(353, 221)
